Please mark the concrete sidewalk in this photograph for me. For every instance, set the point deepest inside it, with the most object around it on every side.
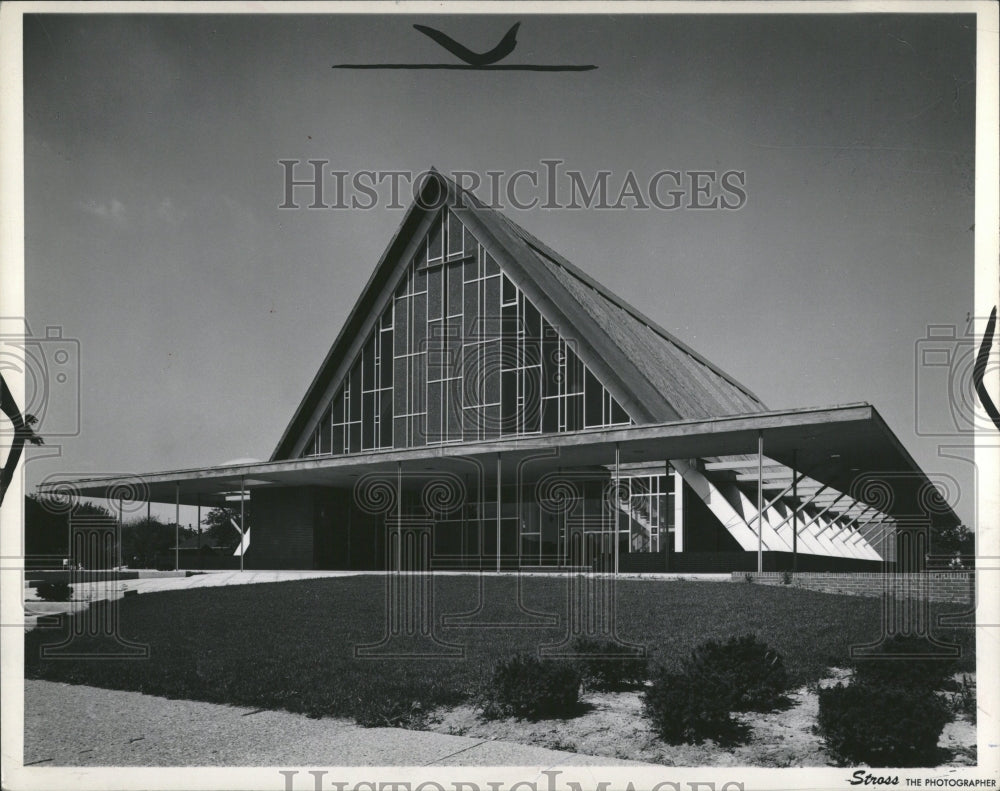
(71, 725)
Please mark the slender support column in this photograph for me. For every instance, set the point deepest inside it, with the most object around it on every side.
(795, 514)
(498, 512)
(121, 529)
(760, 501)
(243, 520)
(199, 525)
(618, 483)
(177, 527)
(678, 512)
(399, 516)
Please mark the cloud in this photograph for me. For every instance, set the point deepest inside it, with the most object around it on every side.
(113, 211)
(167, 212)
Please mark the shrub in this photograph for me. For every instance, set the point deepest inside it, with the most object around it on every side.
(905, 662)
(748, 577)
(605, 666)
(746, 673)
(686, 709)
(525, 686)
(54, 591)
(786, 578)
(882, 726)
(963, 701)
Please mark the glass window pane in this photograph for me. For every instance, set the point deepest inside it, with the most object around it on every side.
(618, 415)
(452, 362)
(418, 375)
(454, 235)
(491, 299)
(401, 330)
(470, 424)
(508, 403)
(435, 350)
(355, 391)
(399, 403)
(419, 329)
(491, 421)
(434, 395)
(531, 409)
(530, 548)
(574, 371)
(324, 433)
(453, 273)
(434, 294)
(509, 291)
(368, 364)
(574, 412)
(472, 387)
(368, 421)
(337, 444)
(491, 372)
(491, 267)
(338, 407)
(385, 363)
(435, 241)
(355, 437)
(470, 269)
(550, 366)
(470, 307)
(453, 409)
(550, 415)
(594, 401)
(385, 419)
(419, 430)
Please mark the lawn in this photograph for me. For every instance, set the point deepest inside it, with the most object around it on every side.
(290, 645)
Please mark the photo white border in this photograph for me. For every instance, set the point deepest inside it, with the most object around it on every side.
(987, 294)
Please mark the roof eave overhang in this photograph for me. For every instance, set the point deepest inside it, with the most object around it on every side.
(849, 448)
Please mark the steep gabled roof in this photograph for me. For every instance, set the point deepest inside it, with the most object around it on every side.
(652, 374)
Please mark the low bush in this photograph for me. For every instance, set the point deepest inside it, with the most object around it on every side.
(54, 591)
(746, 673)
(684, 709)
(882, 726)
(786, 578)
(532, 688)
(963, 700)
(605, 665)
(906, 662)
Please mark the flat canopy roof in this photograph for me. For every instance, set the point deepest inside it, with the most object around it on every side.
(848, 448)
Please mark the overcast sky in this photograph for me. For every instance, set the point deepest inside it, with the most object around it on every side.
(203, 311)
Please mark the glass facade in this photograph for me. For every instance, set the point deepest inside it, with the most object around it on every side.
(651, 510)
(460, 355)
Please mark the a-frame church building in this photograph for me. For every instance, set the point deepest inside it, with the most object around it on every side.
(487, 405)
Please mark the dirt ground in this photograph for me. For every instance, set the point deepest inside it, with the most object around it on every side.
(613, 725)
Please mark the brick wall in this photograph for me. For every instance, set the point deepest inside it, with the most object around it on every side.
(935, 586)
